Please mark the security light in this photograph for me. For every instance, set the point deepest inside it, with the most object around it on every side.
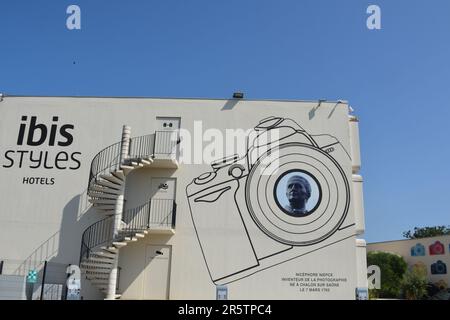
(238, 95)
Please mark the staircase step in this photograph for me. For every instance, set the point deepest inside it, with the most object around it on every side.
(98, 273)
(130, 239)
(87, 264)
(135, 163)
(110, 249)
(101, 189)
(95, 282)
(100, 261)
(139, 235)
(96, 268)
(109, 184)
(98, 253)
(99, 278)
(112, 178)
(102, 201)
(106, 254)
(146, 162)
(126, 169)
(119, 245)
(119, 174)
(103, 195)
(100, 264)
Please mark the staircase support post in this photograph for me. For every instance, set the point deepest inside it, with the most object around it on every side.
(125, 146)
(118, 210)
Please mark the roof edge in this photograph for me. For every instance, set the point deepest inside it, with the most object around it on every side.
(170, 98)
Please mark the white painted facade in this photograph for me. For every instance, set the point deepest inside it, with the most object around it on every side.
(230, 229)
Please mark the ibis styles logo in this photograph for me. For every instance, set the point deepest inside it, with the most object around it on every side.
(43, 145)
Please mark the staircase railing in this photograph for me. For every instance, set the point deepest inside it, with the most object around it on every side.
(142, 146)
(105, 161)
(108, 159)
(156, 213)
(165, 142)
(153, 214)
(100, 233)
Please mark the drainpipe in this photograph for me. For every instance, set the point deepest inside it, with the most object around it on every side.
(118, 210)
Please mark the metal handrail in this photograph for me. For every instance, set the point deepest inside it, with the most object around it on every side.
(152, 214)
(108, 159)
(142, 146)
(99, 233)
(167, 141)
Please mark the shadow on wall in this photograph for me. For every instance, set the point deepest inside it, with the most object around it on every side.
(141, 180)
(230, 104)
(312, 112)
(63, 247)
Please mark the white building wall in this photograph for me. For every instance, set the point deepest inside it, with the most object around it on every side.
(32, 213)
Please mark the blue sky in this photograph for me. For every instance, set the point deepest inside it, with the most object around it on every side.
(397, 78)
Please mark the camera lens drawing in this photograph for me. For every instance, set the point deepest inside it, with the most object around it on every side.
(330, 208)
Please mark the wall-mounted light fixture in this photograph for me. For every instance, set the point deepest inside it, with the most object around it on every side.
(238, 95)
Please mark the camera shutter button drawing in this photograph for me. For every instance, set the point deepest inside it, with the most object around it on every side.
(268, 123)
(236, 171)
(205, 178)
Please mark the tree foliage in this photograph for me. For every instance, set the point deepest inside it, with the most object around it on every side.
(393, 268)
(426, 232)
(414, 284)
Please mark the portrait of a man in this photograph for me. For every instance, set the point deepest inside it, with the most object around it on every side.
(298, 192)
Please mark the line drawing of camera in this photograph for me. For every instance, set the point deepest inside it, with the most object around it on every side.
(241, 209)
(439, 267)
(418, 250)
(437, 248)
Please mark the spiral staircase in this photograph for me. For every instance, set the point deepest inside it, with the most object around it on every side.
(102, 240)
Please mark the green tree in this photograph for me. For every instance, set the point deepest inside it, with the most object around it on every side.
(393, 268)
(426, 232)
(414, 284)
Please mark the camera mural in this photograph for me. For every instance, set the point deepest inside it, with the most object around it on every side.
(418, 250)
(437, 248)
(278, 204)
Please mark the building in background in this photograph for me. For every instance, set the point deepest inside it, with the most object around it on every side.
(180, 198)
(429, 254)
